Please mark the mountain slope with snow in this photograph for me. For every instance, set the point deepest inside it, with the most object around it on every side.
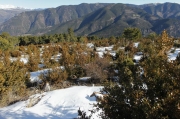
(9, 11)
(8, 7)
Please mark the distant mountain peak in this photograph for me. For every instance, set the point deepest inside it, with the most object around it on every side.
(7, 7)
(10, 7)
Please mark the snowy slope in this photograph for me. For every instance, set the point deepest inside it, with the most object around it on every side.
(57, 104)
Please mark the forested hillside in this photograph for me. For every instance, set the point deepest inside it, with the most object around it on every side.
(102, 19)
(35, 22)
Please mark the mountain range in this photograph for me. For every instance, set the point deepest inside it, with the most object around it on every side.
(101, 19)
(9, 11)
(6, 14)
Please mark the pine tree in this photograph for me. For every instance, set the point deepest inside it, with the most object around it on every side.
(33, 63)
(164, 43)
(132, 33)
(178, 59)
(46, 56)
(149, 91)
(12, 81)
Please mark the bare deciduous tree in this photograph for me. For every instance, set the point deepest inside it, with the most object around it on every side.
(98, 69)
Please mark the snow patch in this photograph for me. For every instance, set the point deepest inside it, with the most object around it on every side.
(7, 7)
(136, 44)
(57, 104)
(173, 53)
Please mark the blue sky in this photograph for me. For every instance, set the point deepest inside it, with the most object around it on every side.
(55, 3)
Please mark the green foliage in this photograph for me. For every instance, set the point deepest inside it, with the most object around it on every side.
(11, 39)
(82, 115)
(5, 44)
(112, 40)
(148, 47)
(5, 35)
(2, 87)
(152, 36)
(12, 81)
(55, 77)
(121, 99)
(78, 72)
(132, 33)
(178, 59)
(128, 61)
(45, 39)
(131, 99)
(32, 64)
(34, 58)
(164, 43)
(163, 82)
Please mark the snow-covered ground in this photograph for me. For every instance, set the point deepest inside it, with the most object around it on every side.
(136, 44)
(57, 104)
(172, 55)
(63, 103)
(34, 76)
(103, 50)
(137, 57)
